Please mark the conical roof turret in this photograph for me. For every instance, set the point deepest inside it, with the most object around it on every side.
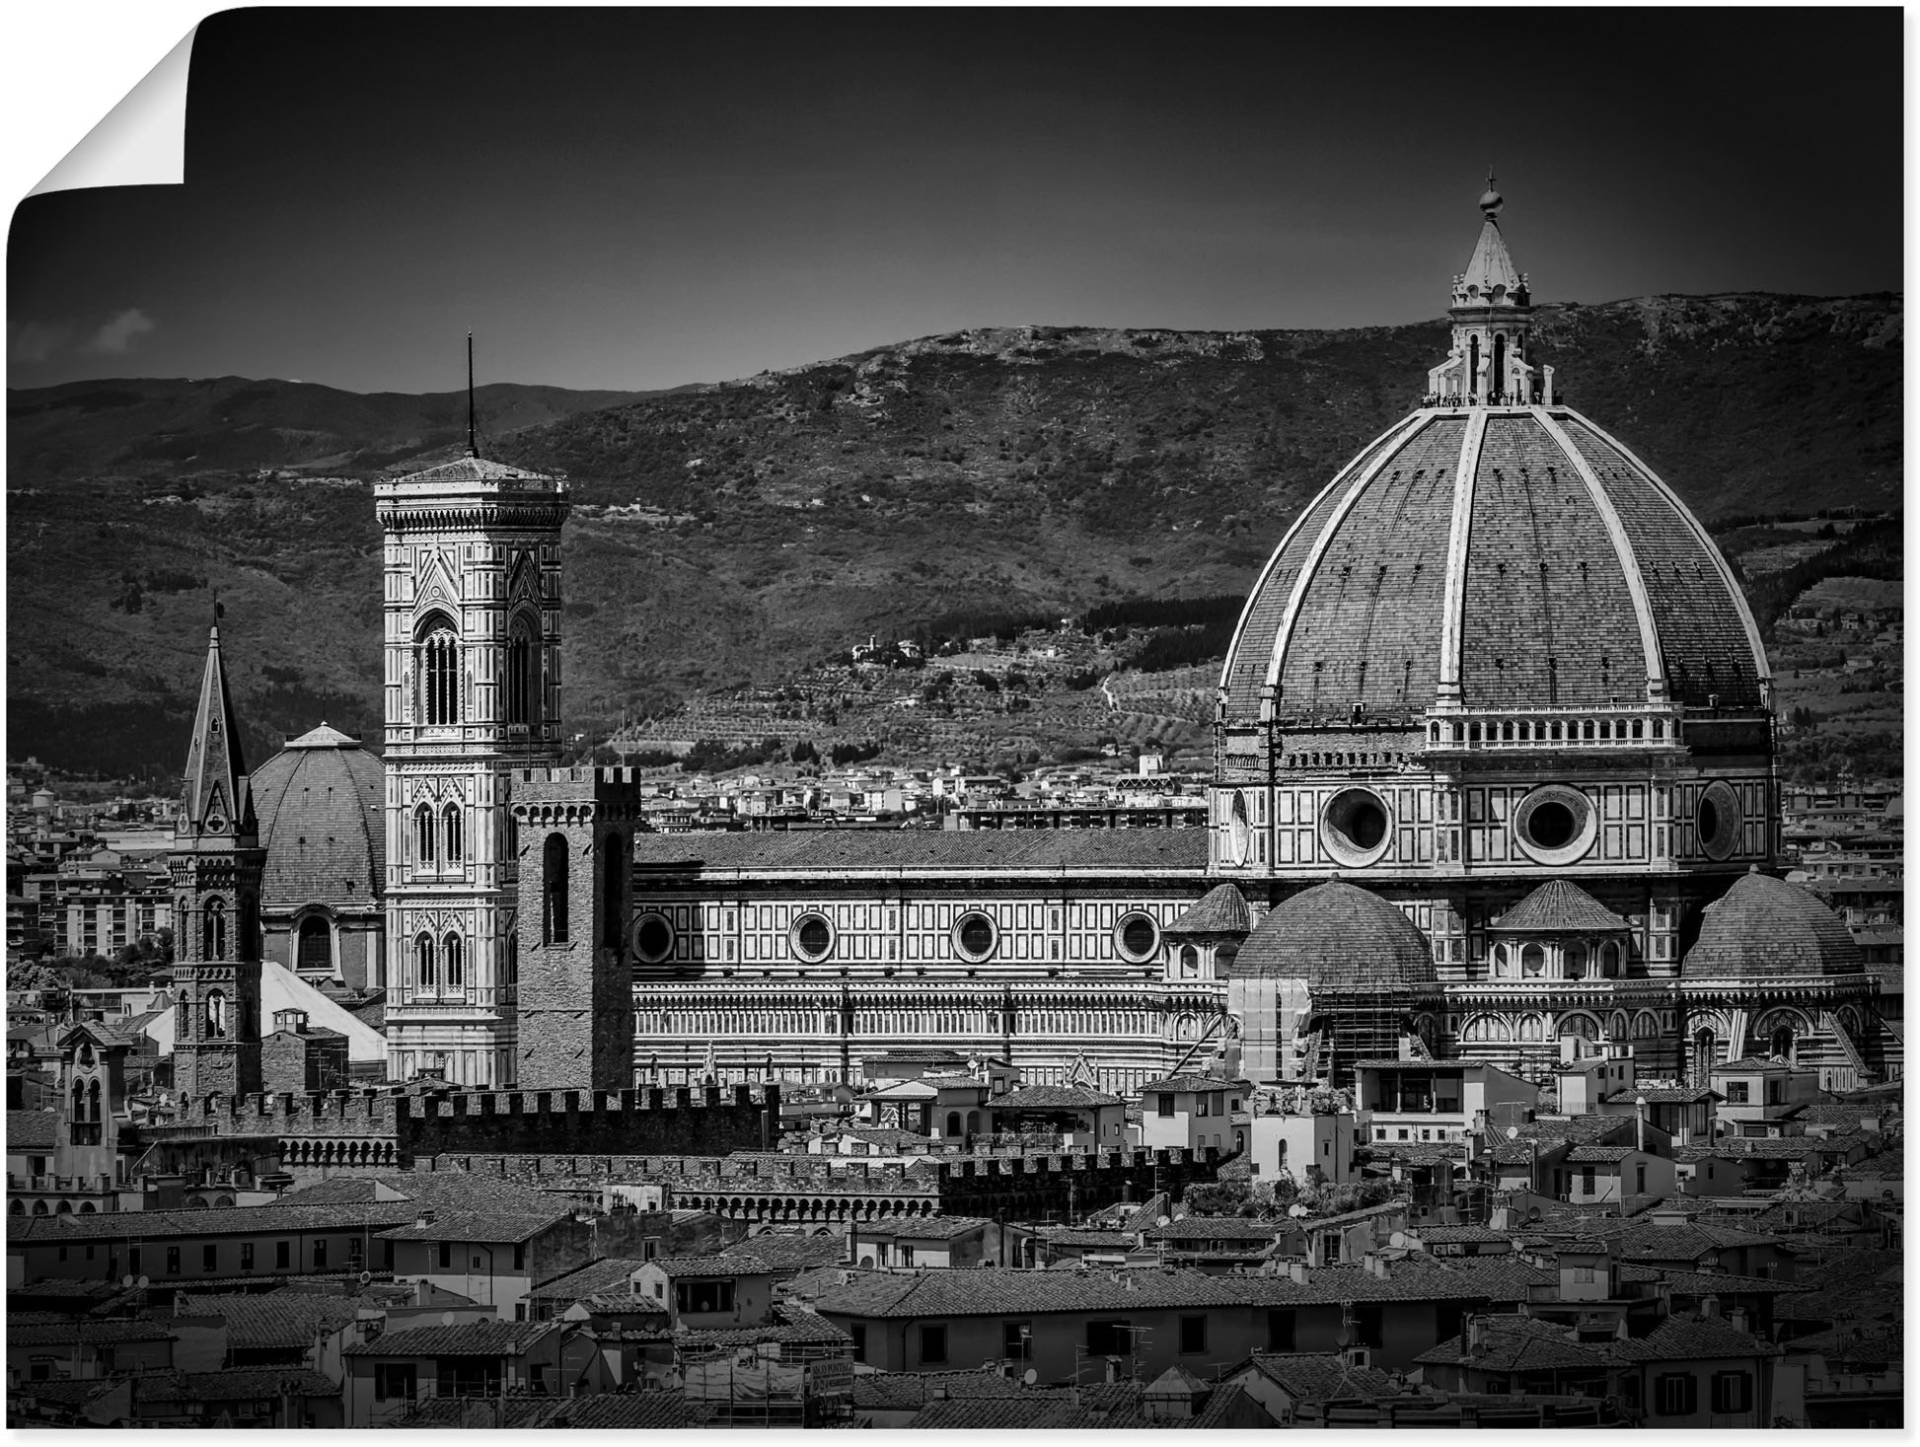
(1491, 278)
(217, 799)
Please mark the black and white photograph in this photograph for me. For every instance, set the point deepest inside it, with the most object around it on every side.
(1011, 719)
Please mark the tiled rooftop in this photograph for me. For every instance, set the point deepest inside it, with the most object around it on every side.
(478, 1225)
(1221, 910)
(982, 1293)
(1049, 1097)
(607, 1274)
(1561, 907)
(30, 1130)
(470, 1339)
(1183, 850)
(277, 1319)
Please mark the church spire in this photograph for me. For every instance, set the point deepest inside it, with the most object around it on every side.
(218, 799)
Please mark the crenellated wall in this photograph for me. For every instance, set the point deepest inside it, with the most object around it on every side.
(624, 1122)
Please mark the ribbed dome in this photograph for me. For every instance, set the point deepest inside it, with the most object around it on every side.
(1339, 937)
(1496, 551)
(1581, 580)
(319, 801)
(1765, 927)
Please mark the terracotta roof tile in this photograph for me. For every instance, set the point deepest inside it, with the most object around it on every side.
(1560, 906)
(1046, 1097)
(1133, 850)
(1766, 927)
(1221, 910)
(31, 1130)
(1337, 936)
(469, 1339)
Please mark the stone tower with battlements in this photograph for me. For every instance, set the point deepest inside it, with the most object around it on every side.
(472, 695)
(575, 902)
(215, 866)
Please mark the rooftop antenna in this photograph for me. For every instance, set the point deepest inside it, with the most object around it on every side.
(473, 447)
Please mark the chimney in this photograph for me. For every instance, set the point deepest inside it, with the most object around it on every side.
(1710, 1308)
(423, 1219)
(1737, 1318)
(1297, 1270)
(1476, 1337)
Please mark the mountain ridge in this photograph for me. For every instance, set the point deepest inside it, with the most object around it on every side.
(728, 532)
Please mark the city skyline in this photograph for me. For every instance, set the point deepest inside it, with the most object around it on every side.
(641, 201)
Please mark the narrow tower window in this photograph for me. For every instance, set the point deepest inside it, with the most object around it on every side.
(453, 833)
(554, 890)
(520, 677)
(213, 932)
(423, 970)
(613, 929)
(455, 972)
(423, 837)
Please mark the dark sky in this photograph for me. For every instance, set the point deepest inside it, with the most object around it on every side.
(643, 198)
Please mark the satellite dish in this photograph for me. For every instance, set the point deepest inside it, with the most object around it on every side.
(141, 1283)
(1164, 1221)
(1513, 1132)
(446, 1318)
(1296, 1210)
(365, 1277)
(126, 1282)
(1397, 1239)
(1029, 1377)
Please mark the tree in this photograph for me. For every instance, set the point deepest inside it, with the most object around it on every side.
(1218, 1198)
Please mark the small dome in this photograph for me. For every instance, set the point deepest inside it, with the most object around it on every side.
(1491, 201)
(319, 802)
(1221, 911)
(1766, 927)
(1336, 936)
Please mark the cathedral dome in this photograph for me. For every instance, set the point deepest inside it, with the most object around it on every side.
(1337, 936)
(319, 801)
(1492, 551)
(1764, 927)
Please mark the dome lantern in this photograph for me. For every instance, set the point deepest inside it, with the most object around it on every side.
(1492, 317)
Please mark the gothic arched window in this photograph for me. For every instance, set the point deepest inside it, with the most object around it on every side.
(553, 890)
(423, 831)
(519, 681)
(439, 671)
(454, 973)
(216, 1012)
(454, 840)
(213, 930)
(93, 1102)
(423, 970)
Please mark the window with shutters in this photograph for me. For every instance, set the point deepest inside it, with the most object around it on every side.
(1732, 1392)
(1675, 1394)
